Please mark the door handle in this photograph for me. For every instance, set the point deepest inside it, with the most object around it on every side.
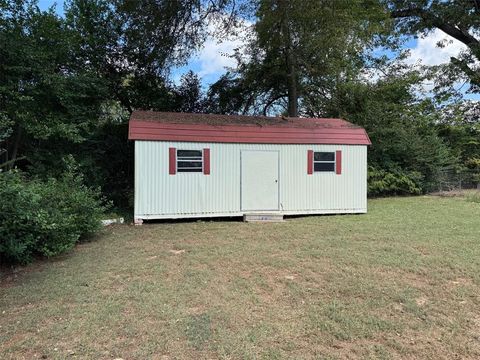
(276, 181)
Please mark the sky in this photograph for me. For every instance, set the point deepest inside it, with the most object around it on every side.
(212, 60)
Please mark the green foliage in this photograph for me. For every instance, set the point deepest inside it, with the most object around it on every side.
(44, 94)
(5, 128)
(229, 95)
(299, 50)
(105, 158)
(20, 221)
(68, 84)
(45, 217)
(132, 45)
(460, 130)
(381, 182)
(188, 95)
(405, 142)
(473, 163)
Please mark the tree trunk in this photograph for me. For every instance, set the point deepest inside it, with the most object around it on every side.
(290, 64)
(292, 86)
(16, 145)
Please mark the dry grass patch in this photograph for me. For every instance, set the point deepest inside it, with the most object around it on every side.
(399, 282)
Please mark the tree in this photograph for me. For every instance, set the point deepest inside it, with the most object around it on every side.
(459, 126)
(459, 18)
(231, 94)
(42, 97)
(64, 80)
(134, 44)
(301, 48)
(189, 95)
(407, 152)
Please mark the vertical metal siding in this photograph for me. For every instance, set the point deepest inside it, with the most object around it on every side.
(158, 194)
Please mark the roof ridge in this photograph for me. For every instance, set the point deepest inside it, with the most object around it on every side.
(192, 114)
(171, 126)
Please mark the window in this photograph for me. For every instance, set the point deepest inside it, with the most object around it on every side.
(324, 161)
(189, 161)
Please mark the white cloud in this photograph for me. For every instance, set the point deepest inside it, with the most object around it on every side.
(426, 51)
(214, 58)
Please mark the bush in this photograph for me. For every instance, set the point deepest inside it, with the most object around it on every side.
(45, 217)
(382, 182)
(20, 217)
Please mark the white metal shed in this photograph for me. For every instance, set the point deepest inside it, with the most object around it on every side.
(203, 165)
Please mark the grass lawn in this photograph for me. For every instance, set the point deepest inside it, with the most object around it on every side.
(402, 281)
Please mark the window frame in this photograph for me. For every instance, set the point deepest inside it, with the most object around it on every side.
(200, 159)
(334, 162)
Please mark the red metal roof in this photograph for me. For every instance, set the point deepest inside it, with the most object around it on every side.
(164, 126)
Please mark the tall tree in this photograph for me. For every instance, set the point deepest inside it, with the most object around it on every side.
(407, 153)
(300, 48)
(189, 94)
(42, 97)
(57, 73)
(134, 44)
(458, 18)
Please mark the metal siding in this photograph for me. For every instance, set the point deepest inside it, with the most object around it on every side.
(260, 172)
(160, 195)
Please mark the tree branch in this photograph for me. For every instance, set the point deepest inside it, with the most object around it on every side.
(449, 29)
(270, 102)
(473, 75)
(9, 164)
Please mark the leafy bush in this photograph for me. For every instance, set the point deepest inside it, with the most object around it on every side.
(403, 130)
(45, 217)
(382, 182)
(20, 218)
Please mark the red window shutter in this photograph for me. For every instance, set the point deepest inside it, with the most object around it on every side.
(172, 161)
(310, 162)
(338, 162)
(206, 161)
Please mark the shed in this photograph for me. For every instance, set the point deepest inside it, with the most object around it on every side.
(205, 165)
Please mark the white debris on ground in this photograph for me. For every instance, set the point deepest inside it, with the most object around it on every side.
(177, 252)
(107, 222)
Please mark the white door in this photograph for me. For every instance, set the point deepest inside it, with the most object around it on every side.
(259, 180)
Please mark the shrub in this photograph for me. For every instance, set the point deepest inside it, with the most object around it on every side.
(382, 182)
(20, 217)
(45, 217)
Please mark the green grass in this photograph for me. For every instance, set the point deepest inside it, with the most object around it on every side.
(402, 281)
(473, 196)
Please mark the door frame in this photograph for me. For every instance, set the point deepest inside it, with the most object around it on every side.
(278, 178)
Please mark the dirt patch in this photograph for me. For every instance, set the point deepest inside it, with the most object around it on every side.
(458, 282)
(421, 301)
(196, 310)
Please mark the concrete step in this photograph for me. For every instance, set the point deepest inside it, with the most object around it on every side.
(263, 217)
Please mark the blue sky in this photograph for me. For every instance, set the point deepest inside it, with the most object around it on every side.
(212, 60)
(45, 4)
